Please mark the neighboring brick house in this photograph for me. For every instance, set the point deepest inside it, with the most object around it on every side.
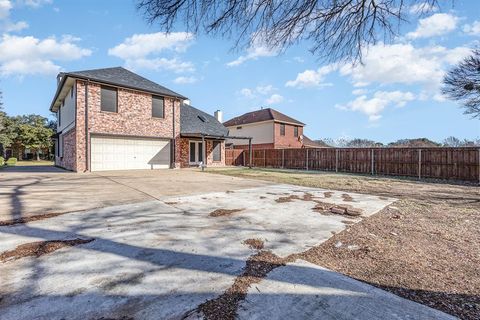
(114, 119)
(268, 128)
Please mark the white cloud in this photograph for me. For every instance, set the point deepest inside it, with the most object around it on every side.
(358, 92)
(29, 55)
(265, 89)
(435, 25)
(185, 80)
(312, 78)
(5, 7)
(374, 106)
(404, 64)
(247, 93)
(140, 51)
(274, 99)
(15, 26)
(260, 90)
(472, 29)
(34, 3)
(142, 45)
(422, 7)
(257, 49)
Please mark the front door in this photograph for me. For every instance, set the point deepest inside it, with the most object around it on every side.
(196, 154)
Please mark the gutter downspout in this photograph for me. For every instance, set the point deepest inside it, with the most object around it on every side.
(172, 165)
(87, 158)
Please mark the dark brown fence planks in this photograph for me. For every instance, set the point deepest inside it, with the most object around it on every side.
(440, 163)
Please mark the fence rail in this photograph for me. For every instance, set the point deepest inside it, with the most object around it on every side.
(440, 163)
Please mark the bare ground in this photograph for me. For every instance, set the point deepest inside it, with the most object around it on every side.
(425, 247)
(39, 248)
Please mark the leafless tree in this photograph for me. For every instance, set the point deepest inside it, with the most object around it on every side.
(462, 83)
(337, 29)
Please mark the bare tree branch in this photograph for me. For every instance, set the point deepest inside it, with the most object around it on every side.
(337, 29)
(462, 83)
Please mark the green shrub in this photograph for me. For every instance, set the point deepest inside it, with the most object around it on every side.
(2, 161)
(12, 161)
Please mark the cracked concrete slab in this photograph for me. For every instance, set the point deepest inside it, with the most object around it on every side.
(159, 259)
(302, 290)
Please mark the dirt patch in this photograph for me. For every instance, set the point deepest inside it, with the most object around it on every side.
(263, 197)
(39, 248)
(347, 197)
(328, 194)
(306, 197)
(425, 249)
(172, 203)
(30, 219)
(223, 212)
(229, 191)
(256, 244)
(257, 267)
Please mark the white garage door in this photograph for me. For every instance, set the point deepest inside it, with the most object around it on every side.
(121, 153)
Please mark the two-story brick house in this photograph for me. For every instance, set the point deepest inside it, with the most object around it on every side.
(114, 119)
(268, 128)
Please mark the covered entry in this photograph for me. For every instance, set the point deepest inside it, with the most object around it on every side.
(126, 153)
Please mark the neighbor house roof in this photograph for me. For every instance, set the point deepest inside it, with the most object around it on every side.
(261, 115)
(120, 77)
(309, 143)
(194, 122)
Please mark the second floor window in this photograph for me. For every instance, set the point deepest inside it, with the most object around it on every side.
(158, 109)
(282, 129)
(108, 99)
(295, 131)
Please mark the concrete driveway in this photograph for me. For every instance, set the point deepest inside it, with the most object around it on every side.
(38, 190)
(187, 256)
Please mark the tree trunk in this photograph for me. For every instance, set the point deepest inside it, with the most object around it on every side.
(38, 155)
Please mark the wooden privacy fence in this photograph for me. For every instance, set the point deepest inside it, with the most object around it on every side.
(440, 163)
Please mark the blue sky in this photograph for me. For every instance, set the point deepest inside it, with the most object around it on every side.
(394, 95)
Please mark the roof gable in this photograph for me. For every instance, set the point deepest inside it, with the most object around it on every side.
(260, 116)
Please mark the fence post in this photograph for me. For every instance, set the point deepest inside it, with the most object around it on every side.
(336, 160)
(373, 161)
(419, 164)
(306, 159)
(283, 158)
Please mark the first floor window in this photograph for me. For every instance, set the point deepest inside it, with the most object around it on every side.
(217, 151)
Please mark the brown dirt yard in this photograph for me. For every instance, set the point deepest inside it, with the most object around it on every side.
(425, 247)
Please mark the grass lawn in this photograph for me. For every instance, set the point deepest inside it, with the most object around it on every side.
(34, 163)
(425, 247)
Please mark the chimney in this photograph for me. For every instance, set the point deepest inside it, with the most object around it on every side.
(218, 115)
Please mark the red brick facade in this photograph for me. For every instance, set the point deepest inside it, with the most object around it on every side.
(184, 156)
(68, 160)
(288, 140)
(133, 118)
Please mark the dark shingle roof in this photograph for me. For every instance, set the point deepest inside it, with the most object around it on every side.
(261, 115)
(194, 121)
(124, 78)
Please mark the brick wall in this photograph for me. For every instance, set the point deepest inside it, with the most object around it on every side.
(68, 161)
(133, 118)
(288, 140)
(184, 155)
